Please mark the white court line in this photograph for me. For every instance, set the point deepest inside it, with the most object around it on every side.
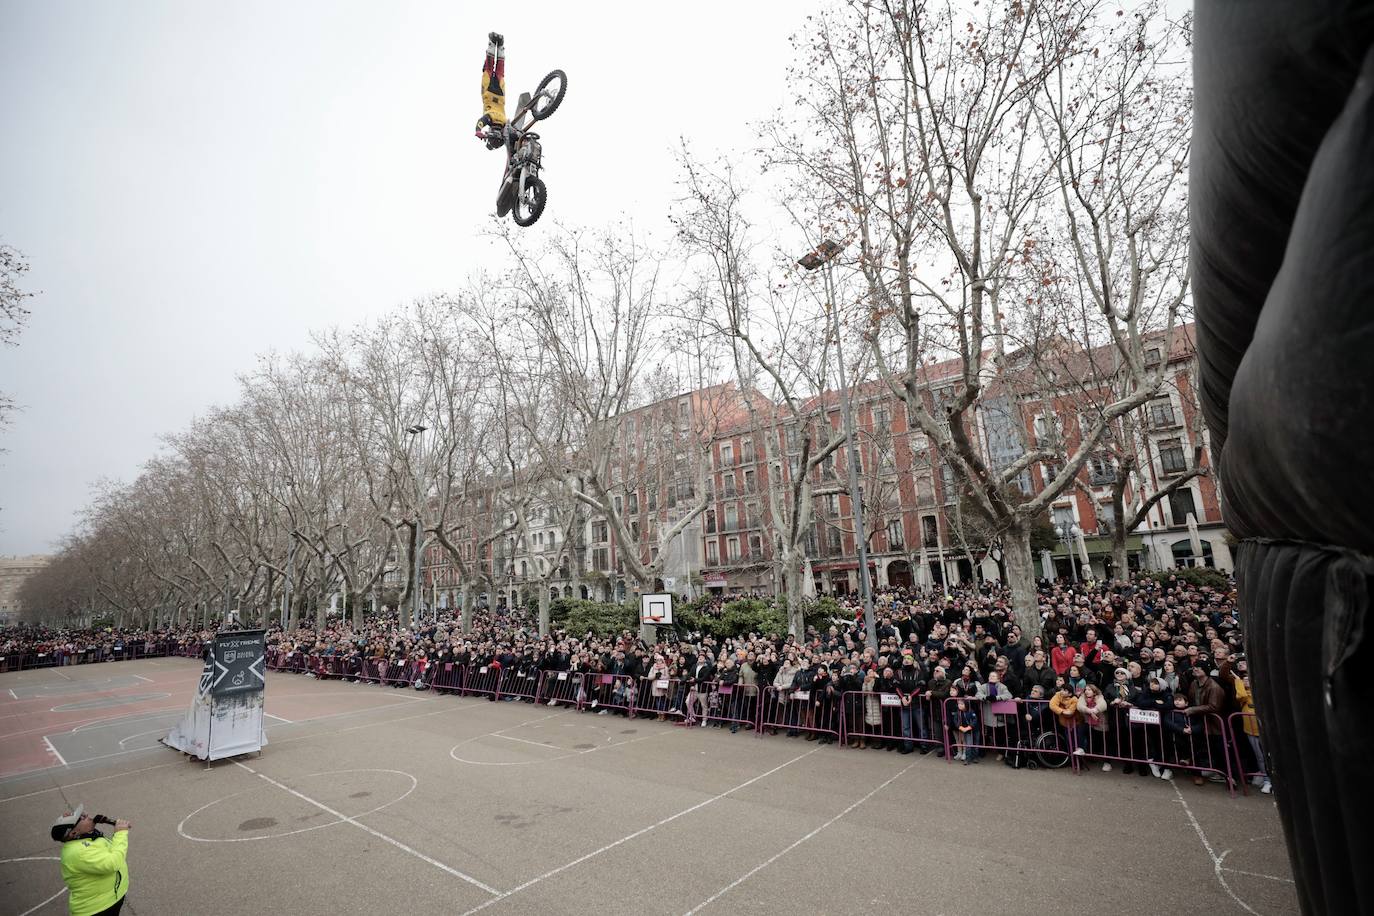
(1255, 874)
(279, 718)
(44, 903)
(638, 833)
(767, 862)
(60, 759)
(40, 906)
(142, 678)
(376, 833)
(83, 782)
(550, 747)
(12, 696)
(1216, 860)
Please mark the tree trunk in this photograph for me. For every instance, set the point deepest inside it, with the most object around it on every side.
(1120, 562)
(544, 610)
(1025, 601)
(796, 613)
(467, 607)
(355, 602)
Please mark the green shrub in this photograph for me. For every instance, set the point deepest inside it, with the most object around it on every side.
(744, 616)
(577, 616)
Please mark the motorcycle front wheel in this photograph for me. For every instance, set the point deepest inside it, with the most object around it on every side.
(556, 86)
(530, 205)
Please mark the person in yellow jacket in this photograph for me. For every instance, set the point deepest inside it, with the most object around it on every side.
(95, 867)
(1246, 701)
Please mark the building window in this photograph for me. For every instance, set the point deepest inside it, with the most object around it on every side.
(1161, 413)
(930, 532)
(653, 499)
(1172, 460)
(751, 515)
(601, 559)
(755, 546)
(749, 481)
(732, 548)
(619, 506)
(1106, 515)
(1152, 356)
(600, 532)
(833, 535)
(634, 503)
(731, 518)
(832, 505)
(747, 451)
(925, 492)
(947, 482)
(1063, 517)
(729, 485)
(712, 552)
(895, 540)
(1101, 471)
(711, 521)
(1181, 505)
(727, 455)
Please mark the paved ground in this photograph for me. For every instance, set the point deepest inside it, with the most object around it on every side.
(370, 799)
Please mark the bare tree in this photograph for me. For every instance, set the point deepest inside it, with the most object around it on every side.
(953, 148)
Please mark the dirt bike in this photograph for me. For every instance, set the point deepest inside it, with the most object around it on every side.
(522, 193)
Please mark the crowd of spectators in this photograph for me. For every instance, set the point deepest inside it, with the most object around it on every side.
(962, 672)
(32, 645)
(958, 664)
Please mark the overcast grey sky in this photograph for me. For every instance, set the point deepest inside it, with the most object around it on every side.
(196, 183)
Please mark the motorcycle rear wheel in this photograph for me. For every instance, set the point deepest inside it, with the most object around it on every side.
(530, 206)
(547, 106)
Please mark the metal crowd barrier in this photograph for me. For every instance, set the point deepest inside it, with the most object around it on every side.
(883, 717)
(561, 688)
(800, 711)
(1002, 727)
(1172, 740)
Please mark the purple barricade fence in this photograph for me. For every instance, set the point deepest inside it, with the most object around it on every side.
(448, 677)
(728, 704)
(799, 711)
(484, 680)
(609, 692)
(561, 688)
(884, 718)
(391, 673)
(661, 697)
(1247, 751)
(1027, 729)
(1197, 744)
(520, 685)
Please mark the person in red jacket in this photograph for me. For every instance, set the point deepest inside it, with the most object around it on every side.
(1062, 655)
(1092, 648)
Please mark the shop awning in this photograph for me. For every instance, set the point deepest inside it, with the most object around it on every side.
(1099, 547)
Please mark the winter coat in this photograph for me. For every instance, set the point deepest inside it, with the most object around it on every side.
(1065, 706)
(1094, 713)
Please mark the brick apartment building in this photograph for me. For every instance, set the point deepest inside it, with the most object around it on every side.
(910, 497)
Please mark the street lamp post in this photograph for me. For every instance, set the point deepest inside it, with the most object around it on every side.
(824, 256)
(1069, 534)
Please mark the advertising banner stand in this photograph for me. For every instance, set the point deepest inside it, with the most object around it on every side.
(225, 718)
